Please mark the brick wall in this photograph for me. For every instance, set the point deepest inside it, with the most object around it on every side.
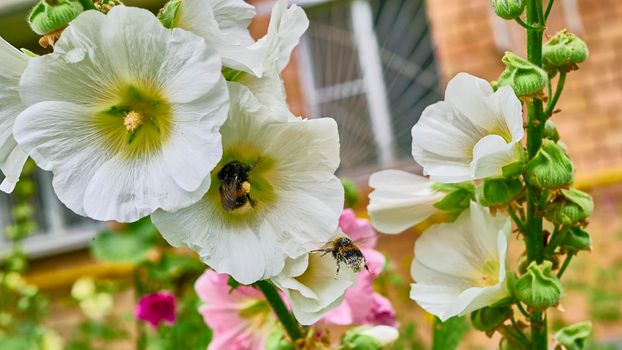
(591, 122)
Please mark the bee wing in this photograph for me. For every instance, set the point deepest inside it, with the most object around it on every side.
(228, 195)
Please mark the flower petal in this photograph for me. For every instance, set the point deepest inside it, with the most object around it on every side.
(12, 157)
(400, 200)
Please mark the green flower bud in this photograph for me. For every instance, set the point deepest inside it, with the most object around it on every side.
(508, 9)
(489, 318)
(573, 337)
(49, 16)
(457, 199)
(550, 131)
(22, 212)
(351, 191)
(570, 207)
(498, 191)
(564, 51)
(369, 338)
(538, 288)
(524, 77)
(168, 13)
(577, 239)
(551, 167)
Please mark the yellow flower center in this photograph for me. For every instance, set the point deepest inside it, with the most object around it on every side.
(488, 275)
(136, 121)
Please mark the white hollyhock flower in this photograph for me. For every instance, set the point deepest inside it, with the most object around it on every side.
(459, 267)
(224, 25)
(274, 193)
(400, 200)
(12, 157)
(473, 134)
(126, 114)
(312, 285)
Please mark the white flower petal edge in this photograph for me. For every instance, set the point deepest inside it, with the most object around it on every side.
(313, 286)
(104, 68)
(459, 267)
(223, 24)
(470, 135)
(297, 199)
(400, 200)
(12, 157)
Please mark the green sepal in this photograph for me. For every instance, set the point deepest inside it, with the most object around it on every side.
(514, 169)
(489, 318)
(538, 288)
(524, 77)
(508, 9)
(168, 13)
(457, 199)
(551, 167)
(498, 191)
(231, 74)
(574, 337)
(576, 238)
(46, 18)
(564, 51)
(278, 341)
(233, 284)
(570, 207)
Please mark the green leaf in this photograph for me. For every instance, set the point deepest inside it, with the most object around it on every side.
(130, 245)
(448, 334)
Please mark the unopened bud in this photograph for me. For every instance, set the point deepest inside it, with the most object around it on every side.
(574, 336)
(551, 167)
(168, 13)
(576, 238)
(564, 51)
(538, 288)
(569, 207)
(550, 131)
(366, 338)
(508, 9)
(490, 318)
(524, 77)
(49, 16)
(498, 191)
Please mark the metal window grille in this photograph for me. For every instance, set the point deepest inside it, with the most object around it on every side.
(371, 66)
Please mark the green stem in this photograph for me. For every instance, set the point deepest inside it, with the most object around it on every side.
(550, 107)
(565, 264)
(519, 223)
(535, 126)
(518, 330)
(522, 310)
(141, 340)
(527, 26)
(549, 7)
(286, 318)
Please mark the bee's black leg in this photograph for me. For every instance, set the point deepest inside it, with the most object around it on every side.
(338, 267)
(366, 268)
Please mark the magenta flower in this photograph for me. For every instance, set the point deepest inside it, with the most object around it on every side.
(362, 306)
(156, 308)
(240, 319)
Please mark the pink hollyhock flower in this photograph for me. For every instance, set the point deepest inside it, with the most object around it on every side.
(359, 230)
(240, 319)
(362, 306)
(156, 308)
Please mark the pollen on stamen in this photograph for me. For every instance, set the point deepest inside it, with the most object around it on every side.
(132, 121)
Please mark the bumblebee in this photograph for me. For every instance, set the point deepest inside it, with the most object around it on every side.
(346, 252)
(235, 186)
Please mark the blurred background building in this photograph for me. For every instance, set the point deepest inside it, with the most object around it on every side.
(374, 65)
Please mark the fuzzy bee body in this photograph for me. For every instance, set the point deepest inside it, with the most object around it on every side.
(235, 186)
(346, 252)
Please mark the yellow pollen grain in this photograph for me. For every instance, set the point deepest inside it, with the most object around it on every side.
(246, 187)
(132, 121)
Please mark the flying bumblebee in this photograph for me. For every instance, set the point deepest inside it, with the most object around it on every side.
(235, 186)
(346, 252)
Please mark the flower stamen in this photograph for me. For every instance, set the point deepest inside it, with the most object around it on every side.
(132, 121)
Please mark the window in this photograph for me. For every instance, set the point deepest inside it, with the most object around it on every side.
(371, 66)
